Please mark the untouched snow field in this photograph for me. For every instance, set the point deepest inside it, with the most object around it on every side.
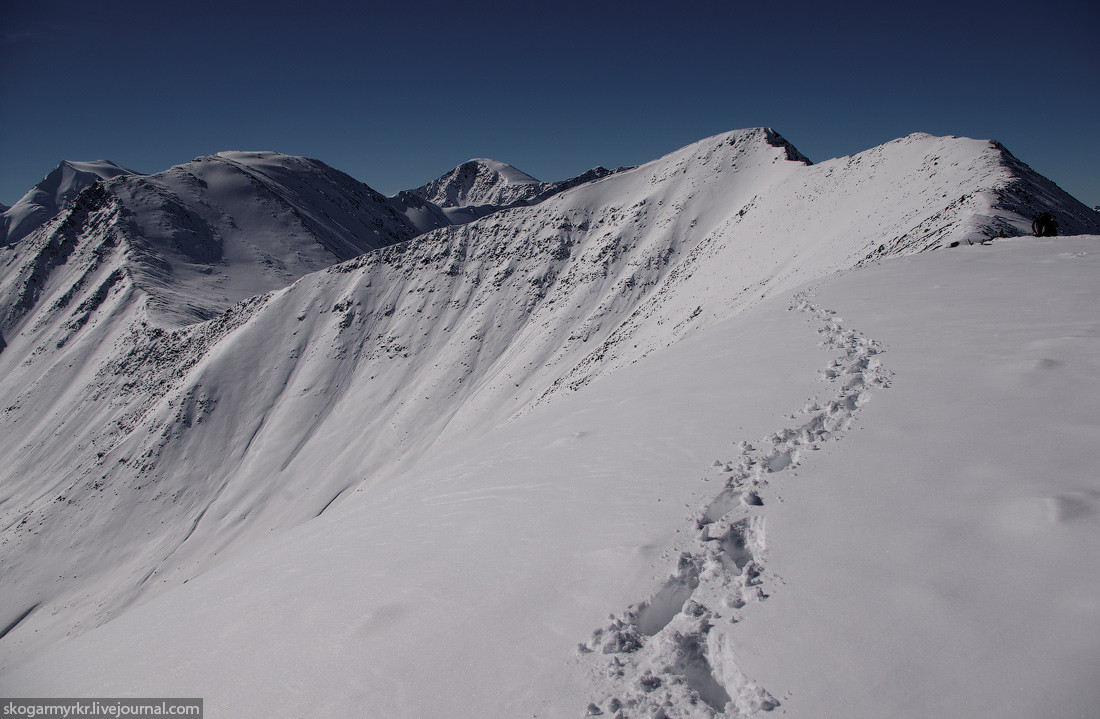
(875, 495)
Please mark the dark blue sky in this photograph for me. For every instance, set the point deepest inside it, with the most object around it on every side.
(398, 94)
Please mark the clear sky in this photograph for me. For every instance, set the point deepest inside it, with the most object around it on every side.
(396, 94)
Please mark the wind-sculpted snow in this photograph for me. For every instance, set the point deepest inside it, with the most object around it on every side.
(166, 444)
(675, 653)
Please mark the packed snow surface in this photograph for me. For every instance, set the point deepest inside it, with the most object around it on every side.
(712, 436)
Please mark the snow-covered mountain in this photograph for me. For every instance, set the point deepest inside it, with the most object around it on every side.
(486, 415)
(480, 182)
(204, 235)
(56, 191)
(490, 184)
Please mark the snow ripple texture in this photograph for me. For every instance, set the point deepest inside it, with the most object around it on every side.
(674, 654)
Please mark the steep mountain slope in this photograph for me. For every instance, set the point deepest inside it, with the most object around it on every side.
(132, 257)
(824, 502)
(143, 455)
(56, 191)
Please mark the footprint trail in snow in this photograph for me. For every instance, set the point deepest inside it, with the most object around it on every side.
(674, 654)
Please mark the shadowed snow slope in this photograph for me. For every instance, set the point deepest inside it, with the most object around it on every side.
(56, 191)
(414, 384)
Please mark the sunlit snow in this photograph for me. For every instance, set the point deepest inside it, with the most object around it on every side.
(719, 435)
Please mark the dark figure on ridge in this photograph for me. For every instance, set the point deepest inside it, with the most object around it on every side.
(1045, 225)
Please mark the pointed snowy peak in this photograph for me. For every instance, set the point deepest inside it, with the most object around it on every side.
(754, 141)
(53, 194)
(482, 186)
(507, 174)
(480, 181)
(970, 191)
(1030, 194)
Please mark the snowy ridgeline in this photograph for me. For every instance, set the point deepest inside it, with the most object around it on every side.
(56, 192)
(149, 449)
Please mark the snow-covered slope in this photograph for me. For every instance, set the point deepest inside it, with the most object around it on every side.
(56, 191)
(826, 502)
(142, 456)
(481, 320)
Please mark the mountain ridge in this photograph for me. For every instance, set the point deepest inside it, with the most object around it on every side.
(205, 234)
(444, 336)
(56, 190)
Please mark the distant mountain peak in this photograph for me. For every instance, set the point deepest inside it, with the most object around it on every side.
(52, 195)
(249, 154)
(490, 184)
(480, 181)
(761, 136)
(508, 174)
